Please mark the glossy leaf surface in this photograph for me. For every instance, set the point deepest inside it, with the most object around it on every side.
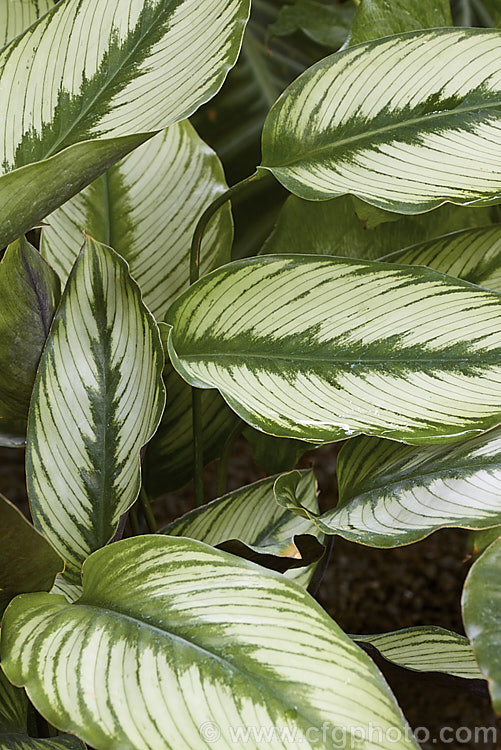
(322, 348)
(400, 129)
(172, 636)
(97, 400)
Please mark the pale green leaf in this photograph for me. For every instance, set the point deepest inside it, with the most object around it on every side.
(97, 400)
(173, 639)
(405, 122)
(334, 228)
(168, 463)
(482, 616)
(251, 515)
(321, 348)
(29, 294)
(376, 18)
(392, 494)
(427, 648)
(473, 255)
(132, 80)
(146, 207)
(27, 561)
(17, 15)
(14, 724)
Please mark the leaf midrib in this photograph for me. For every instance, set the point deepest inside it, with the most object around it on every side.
(480, 359)
(409, 482)
(264, 686)
(84, 111)
(368, 135)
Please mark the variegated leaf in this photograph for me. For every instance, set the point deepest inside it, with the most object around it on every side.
(339, 227)
(98, 398)
(146, 207)
(14, 724)
(174, 643)
(405, 122)
(482, 616)
(57, 92)
(479, 540)
(251, 515)
(473, 255)
(17, 15)
(427, 648)
(168, 463)
(392, 494)
(29, 295)
(323, 348)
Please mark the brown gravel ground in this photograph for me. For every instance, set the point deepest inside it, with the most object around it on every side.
(367, 591)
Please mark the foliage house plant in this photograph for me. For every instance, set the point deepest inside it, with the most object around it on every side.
(352, 296)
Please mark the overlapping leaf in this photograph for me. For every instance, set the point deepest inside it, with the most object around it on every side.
(168, 463)
(17, 15)
(146, 208)
(482, 616)
(427, 649)
(339, 227)
(173, 638)
(133, 80)
(14, 724)
(97, 400)
(391, 494)
(400, 129)
(473, 255)
(251, 515)
(323, 348)
(377, 18)
(29, 294)
(27, 561)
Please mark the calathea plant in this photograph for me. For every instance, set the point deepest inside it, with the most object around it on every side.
(135, 350)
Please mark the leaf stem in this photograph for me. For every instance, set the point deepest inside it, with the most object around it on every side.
(144, 502)
(134, 523)
(198, 447)
(196, 245)
(222, 469)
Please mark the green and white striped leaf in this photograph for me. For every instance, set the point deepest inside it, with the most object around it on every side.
(427, 648)
(251, 515)
(29, 294)
(17, 15)
(14, 719)
(168, 463)
(146, 207)
(152, 63)
(392, 494)
(98, 398)
(27, 561)
(323, 348)
(377, 18)
(482, 616)
(400, 129)
(334, 227)
(273, 454)
(174, 642)
(473, 255)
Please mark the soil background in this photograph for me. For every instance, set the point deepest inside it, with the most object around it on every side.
(366, 591)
